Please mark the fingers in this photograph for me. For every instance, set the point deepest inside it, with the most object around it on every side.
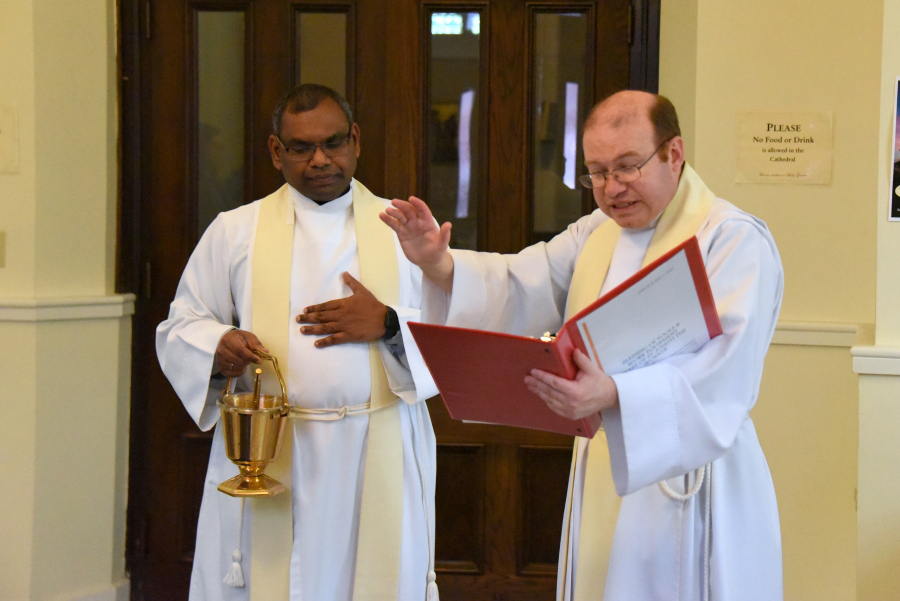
(319, 329)
(544, 385)
(445, 233)
(234, 352)
(584, 363)
(237, 345)
(396, 213)
(253, 343)
(355, 285)
(389, 220)
(552, 397)
(549, 380)
(591, 392)
(421, 209)
(412, 210)
(402, 211)
(338, 338)
(319, 313)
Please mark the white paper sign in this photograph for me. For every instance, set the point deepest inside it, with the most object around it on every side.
(783, 148)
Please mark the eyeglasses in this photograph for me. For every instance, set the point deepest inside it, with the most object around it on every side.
(623, 175)
(299, 153)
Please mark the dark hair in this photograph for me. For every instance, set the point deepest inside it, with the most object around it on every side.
(664, 119)
(306, 97)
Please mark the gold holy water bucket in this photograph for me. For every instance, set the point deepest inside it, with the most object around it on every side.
(253, 425)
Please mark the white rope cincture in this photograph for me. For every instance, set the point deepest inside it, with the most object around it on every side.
(707, 515)
(235, 575)
(431, 588)
(318, 414)
(707, 533)
(664, 486)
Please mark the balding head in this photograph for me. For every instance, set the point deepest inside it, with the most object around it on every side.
(628, 106)
(620, 109)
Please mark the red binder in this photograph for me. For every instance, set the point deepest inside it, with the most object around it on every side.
(480, 374)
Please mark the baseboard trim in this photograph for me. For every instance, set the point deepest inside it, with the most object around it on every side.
(117, 591)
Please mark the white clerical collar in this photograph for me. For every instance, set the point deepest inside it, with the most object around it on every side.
(304, 203)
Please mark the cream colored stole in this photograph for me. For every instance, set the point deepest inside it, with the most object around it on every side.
(378, 549)
(681, 219)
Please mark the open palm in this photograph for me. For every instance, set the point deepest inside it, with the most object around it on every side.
(423, 242)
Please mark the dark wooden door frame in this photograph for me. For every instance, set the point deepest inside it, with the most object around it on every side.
(135, 19)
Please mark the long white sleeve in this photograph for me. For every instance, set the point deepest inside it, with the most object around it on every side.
(684, 412)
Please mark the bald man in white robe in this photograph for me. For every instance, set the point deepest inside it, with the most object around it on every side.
(698, 518)
(208, 331)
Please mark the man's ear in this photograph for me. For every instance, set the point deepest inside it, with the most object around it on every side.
(274, 147)
(676, 154)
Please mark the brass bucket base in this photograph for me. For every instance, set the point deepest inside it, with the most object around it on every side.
(251, 486)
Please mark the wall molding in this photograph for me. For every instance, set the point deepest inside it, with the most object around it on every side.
(873, 360)
(35, 310)
(859, 339)
(809, 333)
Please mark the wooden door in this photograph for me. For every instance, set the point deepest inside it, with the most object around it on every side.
(500, 490)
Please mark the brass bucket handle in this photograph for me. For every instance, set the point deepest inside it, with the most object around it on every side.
(274, 360)
(264, 355)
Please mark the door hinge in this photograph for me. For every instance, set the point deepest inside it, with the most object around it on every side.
(147, 13)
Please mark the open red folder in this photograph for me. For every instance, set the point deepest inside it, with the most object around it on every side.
(665, 309)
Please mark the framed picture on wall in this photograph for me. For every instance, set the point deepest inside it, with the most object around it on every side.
(894, 205)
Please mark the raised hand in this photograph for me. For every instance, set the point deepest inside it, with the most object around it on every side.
(423, 242)
(356, 318)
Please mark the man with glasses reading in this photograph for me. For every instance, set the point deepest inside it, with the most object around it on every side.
(310, 275)
(674, 500)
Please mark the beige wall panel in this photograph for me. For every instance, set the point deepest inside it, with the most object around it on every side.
(806, 418)
(78, 417)
(879, 487)
(17, 206)
(18, 430)
(72, 104)
(678, 65)
(788, 56)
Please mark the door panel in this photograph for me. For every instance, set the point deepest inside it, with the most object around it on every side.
(500, 491)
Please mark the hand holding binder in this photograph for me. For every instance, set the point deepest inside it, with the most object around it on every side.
(663, 310)
(590, 392)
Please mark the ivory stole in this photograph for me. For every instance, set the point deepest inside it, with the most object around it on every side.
(680, 220)
(378, 548)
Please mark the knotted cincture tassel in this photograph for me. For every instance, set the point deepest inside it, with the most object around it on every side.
(431, 592)
(235, 575)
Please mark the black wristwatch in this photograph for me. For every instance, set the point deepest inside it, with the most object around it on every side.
(391, 324)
